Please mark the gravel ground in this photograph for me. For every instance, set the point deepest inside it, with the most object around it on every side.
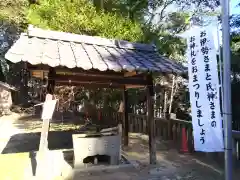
(23, 136)
(170, 164)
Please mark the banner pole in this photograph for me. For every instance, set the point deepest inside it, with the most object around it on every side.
(227, 111)
(220, 67)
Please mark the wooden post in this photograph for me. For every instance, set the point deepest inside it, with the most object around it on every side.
(120, 134)
(46, 122)
(165, 103)
(151, 121)
(125, 117)
(172, 94)
(42, 160)
(51, 81)
(170, 124)
(45, 129)
(43, 146)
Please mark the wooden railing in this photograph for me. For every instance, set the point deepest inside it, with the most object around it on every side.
(168, 130)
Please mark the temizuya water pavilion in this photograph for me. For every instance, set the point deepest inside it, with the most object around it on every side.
(94, 62)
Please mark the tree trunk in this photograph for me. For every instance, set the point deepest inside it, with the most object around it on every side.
(155, 102)
(102, 4)
(131, 15)
(99, 4)
(165, 103)
(172, 94)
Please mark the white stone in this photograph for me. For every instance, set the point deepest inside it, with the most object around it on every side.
(91, 146)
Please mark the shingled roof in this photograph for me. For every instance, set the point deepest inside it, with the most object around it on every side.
(55, 48)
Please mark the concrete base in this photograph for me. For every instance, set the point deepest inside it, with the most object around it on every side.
(92, 146)
(47, 165)
(57, 167)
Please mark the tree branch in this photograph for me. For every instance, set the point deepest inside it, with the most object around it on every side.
(161, 14)
(164, 8)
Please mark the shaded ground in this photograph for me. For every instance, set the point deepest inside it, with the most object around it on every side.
(18, 134)
(171, 164)
(21, 133)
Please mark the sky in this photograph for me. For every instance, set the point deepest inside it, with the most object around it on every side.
(214, 27)
(214, 24)
(217, 34)
(233, 8)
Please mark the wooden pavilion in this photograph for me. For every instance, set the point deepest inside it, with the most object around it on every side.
(79, 60)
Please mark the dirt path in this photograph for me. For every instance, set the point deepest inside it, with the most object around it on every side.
(7, 129)
(170, 164)
(21, 135)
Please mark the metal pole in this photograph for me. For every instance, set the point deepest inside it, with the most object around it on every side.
(220, 66)
(227, 112)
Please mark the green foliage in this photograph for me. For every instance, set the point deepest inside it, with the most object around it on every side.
(81, 17)
(12, 22)
(13, 12)
(235, 43)
(118, 19)
(132, 9)
(164, 35)
(235, 67)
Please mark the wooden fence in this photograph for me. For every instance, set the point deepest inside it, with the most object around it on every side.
(168, 130)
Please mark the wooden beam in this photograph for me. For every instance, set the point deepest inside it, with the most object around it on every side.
(127, 74)
(74, 71)
(38, 74)
(89, 84)
(90, 74)
(102, 79)
(130, 86)
(125, 117)
(151, 121)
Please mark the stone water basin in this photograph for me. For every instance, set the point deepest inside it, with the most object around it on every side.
(97, 147)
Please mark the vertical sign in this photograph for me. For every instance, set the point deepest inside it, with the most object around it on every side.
(48, 109)
(204, 92)
(47, 113)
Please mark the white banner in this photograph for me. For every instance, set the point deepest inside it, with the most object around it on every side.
(204, 92)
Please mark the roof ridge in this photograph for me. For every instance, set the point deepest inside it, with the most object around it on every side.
(94, 40)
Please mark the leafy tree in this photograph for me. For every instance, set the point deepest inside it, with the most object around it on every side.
(12, 22)
(158, 23)
(235, 67)
(81, 17)
(131, 9)
(133, 20)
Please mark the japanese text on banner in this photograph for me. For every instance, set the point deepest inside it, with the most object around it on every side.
(204, 92)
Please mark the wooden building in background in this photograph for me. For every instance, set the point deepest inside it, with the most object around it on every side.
(94, 62)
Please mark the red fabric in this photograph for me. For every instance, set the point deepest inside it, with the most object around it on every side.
(184, 144)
